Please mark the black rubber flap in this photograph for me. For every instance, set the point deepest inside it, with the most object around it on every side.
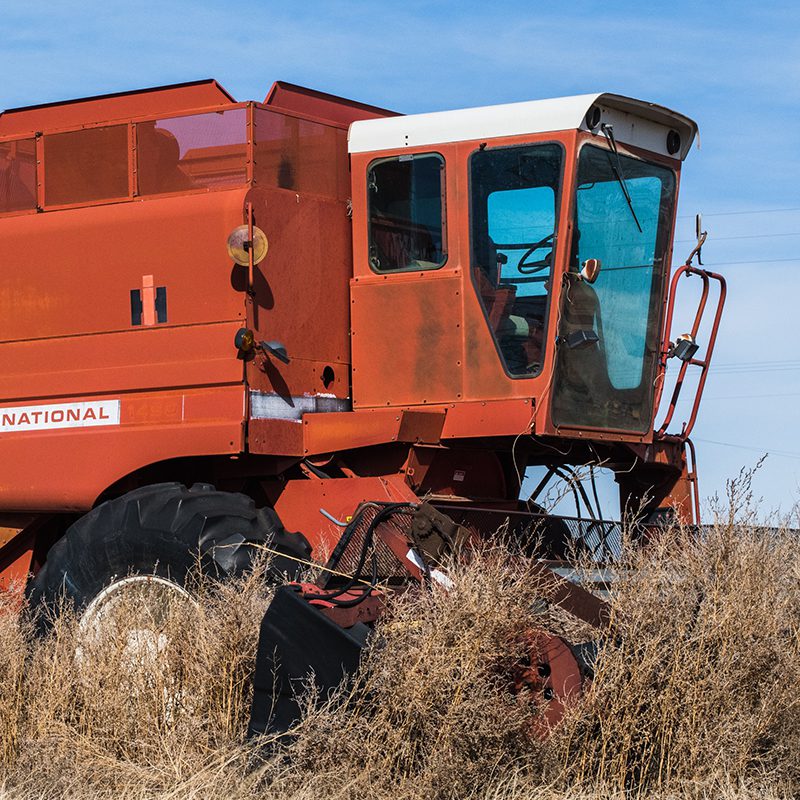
(296, 642)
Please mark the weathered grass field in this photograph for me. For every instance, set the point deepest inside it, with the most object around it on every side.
(696, 695)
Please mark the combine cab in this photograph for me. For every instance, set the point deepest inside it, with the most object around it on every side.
(314, 313)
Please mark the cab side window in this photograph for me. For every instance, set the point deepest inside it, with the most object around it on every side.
(406, 213)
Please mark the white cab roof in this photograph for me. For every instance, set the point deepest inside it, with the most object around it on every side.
(634, 122)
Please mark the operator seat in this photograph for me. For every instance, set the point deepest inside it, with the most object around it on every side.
(582, 344)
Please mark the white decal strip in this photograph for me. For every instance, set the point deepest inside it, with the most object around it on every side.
(59, 415)
(273, 406)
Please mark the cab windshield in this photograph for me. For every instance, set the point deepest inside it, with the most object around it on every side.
(610, 319)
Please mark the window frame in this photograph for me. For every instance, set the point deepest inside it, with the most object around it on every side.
(556, 250)
(443, 194)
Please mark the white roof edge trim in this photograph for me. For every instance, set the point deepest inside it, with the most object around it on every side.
(511, 119)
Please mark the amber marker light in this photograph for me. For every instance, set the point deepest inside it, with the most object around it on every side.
(239, 245)
(244, 340)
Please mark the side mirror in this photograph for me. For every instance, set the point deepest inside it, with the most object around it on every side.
(590, 269)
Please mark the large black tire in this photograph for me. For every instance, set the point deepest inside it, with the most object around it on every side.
(164, 530)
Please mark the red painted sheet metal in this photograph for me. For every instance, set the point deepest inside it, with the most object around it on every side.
(323, 432)
(121, 105)
(320, 105)
(65, 469)
(300, 502)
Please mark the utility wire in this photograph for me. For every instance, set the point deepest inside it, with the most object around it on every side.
(757, 261)
(713, 239)
(742, 213)
(762, 450)
(740, 396)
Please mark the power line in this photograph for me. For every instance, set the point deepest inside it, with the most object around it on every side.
(759, 363)
(763, 450)
(778, 365)
(742, 213)
(713, 239)
(741, 396)
(757, 261)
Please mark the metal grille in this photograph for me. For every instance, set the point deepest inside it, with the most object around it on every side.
(86, 165)
(345, 557)
(199, 151)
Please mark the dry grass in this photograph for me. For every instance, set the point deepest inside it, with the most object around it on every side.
(696, 694)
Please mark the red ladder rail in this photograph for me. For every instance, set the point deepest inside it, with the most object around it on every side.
(703, 363)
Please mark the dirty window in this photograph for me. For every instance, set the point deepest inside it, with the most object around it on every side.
(86, 165)
(18, 175)
(406, 213)
(300, 155)
(198, 151)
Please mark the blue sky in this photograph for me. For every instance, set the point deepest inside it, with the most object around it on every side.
(732, 66)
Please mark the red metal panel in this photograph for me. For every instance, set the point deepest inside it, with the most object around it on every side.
(300, 294)
(121, 361)
(301, 500)
(489, 418)
(102, 253)
(66, 469)
(278, 437)
(407, 338)
(327, 433)
(123, 105)
(323, 432)
(328, 107)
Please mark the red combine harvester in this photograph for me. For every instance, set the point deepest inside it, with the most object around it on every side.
(320, 316)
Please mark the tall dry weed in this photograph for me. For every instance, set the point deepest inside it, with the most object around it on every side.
(695, 692)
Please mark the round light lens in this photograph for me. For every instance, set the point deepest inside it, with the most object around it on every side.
(673, 142)
(239, 245)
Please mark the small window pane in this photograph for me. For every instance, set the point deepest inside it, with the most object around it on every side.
(515, 192)
(81, 166)
(406, 213)
(200, 151)
(298, 154)
(18, 175)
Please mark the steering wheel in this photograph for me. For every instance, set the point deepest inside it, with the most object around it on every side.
(535, 266)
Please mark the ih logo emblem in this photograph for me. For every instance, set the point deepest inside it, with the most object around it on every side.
(148, 304)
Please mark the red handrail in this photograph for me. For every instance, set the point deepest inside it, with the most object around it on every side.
(703, 363)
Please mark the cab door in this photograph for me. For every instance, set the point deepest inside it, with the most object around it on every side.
(406, 304)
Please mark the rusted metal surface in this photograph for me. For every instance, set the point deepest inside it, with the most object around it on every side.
(551, 678)
(421, 426)
(300, 294)
(406, 339)
(153, 427)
